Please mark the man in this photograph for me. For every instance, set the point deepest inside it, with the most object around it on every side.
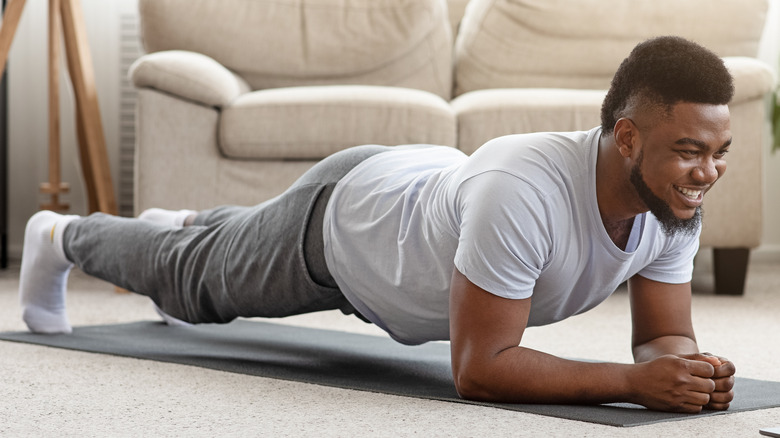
(430, 244)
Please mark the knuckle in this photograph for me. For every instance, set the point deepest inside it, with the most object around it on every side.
(693, 409)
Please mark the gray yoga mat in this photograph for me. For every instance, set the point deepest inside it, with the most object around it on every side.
(344, 360)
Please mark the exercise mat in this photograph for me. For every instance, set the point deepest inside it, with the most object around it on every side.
(344, 360)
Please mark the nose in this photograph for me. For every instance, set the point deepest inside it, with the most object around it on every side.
(708, 171)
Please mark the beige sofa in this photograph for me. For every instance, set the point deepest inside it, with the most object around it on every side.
(237, 98)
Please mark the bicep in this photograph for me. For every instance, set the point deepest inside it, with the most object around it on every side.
(482, 324)
(504, 236)
(659, 309)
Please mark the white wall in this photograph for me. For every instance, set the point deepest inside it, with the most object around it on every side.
(770, 52)
(28, 108)
(28, 115)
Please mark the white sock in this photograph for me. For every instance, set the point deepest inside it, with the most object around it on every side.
(171, 218)
(169, 319)
(174, 219)
(44, 275)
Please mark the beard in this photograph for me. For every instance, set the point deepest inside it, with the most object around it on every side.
(670, 224)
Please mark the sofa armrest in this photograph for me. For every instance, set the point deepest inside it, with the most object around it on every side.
(189, 75)
(752, 78)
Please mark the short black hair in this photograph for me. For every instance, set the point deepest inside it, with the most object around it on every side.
(663, 71)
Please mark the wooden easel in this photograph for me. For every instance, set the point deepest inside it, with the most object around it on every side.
(66, 16)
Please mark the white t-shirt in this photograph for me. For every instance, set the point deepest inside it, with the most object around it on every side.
(518, 218)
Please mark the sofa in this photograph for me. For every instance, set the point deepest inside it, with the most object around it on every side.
(237, 98)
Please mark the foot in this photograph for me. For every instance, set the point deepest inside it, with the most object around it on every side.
(44, 275)
(173, 219)
(169, 319)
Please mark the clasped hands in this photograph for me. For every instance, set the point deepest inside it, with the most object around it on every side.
(688, 383)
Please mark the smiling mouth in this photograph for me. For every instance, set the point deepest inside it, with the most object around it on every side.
(690, 193)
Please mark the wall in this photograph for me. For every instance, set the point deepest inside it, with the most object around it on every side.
(770, 52)
(28, 110)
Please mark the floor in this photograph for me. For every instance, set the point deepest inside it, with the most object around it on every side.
(47, 391)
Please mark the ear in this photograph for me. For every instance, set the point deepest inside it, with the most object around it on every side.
(626, 136)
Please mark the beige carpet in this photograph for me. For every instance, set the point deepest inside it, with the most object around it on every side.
(51, 392)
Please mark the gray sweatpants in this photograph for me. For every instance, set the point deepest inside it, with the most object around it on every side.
(266, 260)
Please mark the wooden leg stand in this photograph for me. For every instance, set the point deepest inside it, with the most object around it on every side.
(730, 266)
(66, 18)
(54, 187)
(92, 144)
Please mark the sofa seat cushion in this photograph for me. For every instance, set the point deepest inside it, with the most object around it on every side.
(486, 114)
(314, 122)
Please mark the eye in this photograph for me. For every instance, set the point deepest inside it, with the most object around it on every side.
(721, 153)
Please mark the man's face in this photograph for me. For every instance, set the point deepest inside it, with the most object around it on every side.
(680, 159)
(670, 223)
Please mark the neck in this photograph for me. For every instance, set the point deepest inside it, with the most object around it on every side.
(619, 232)
(617, 199)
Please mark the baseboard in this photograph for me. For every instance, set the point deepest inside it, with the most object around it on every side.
(14, 252)
(766, 253)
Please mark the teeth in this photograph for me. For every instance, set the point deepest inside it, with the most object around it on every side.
(692, 194)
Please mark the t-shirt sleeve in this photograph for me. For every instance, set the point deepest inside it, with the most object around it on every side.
(675, 264)
(504, 234)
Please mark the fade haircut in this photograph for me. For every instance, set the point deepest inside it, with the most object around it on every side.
(662, 72)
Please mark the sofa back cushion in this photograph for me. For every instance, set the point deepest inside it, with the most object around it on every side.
(280, 43)
(456, 10)
(580, 43)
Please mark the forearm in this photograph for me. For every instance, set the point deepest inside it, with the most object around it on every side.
(487, 364)
(664, 345)
(522, 375)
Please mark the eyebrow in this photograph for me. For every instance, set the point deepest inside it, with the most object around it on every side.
(698, 143)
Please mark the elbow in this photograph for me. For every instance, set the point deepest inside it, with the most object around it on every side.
(472, 384)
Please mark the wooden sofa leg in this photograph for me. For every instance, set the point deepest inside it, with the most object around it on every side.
(730, 266)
